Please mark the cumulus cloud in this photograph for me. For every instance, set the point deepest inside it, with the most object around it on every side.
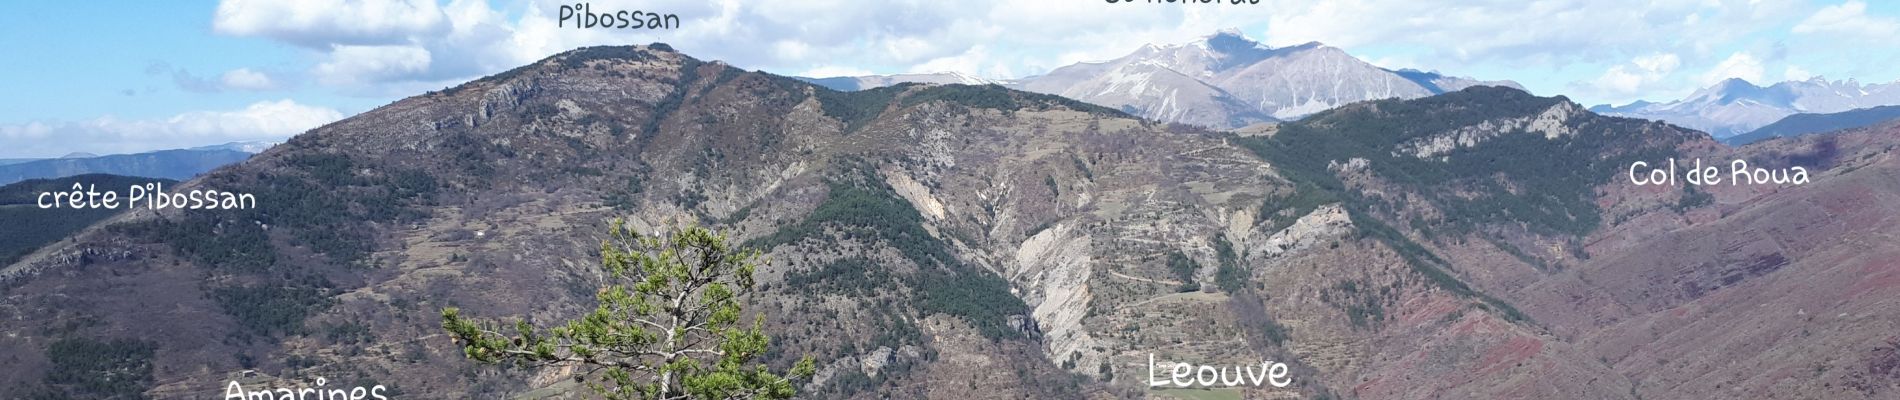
(183, 79)
(1541, 32)
(1637, 75)
(785, 36)
(236, 79)
(384, 47)
(350, 65)
(247, 79)
(1796, 73)
(1397, 62)
(1849, 18)
(111, 135)
(1739, 65)
(975, 61)
(323, 23)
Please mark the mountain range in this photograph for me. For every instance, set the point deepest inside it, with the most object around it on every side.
(176, 164)
(959, 241)
(1811, 123)
(851, 83)
(1734, 106)
(1227, 80)
(1224, 80)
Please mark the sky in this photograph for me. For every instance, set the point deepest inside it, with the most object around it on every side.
(121, 77)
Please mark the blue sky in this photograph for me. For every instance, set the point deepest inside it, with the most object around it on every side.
(117, 77)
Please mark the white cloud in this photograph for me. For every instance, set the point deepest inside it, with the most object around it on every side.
(1739, 65)
(1849, 18)
(1660, 63)
(1396, 62)
(791, 49)
(1546, 32)
(353, 65)
(969, 62)
(1619, 79)
(1638, 75)
(111, 135)
(266, 118)
(322, 23)
(386, 47)
(1796, 73)
(247, 79)
(237, 79)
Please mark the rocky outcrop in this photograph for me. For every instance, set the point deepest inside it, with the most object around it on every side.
(918, 195)
(68, 257)
(870, 364)
(1326, 223)
(1057, 263)
(1553, 123)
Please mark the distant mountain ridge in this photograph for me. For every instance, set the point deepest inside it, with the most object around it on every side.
(851, 83)
(176, 164)
(1809, 123)
(253, 146)
(1736, 106)
(1228, 80)
(1224, 80)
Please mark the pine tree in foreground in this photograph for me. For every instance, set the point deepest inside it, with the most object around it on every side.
(667, 326)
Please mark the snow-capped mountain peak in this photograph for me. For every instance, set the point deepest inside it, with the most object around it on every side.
(1735, 106)
(1247, 79)
(1223, 80)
